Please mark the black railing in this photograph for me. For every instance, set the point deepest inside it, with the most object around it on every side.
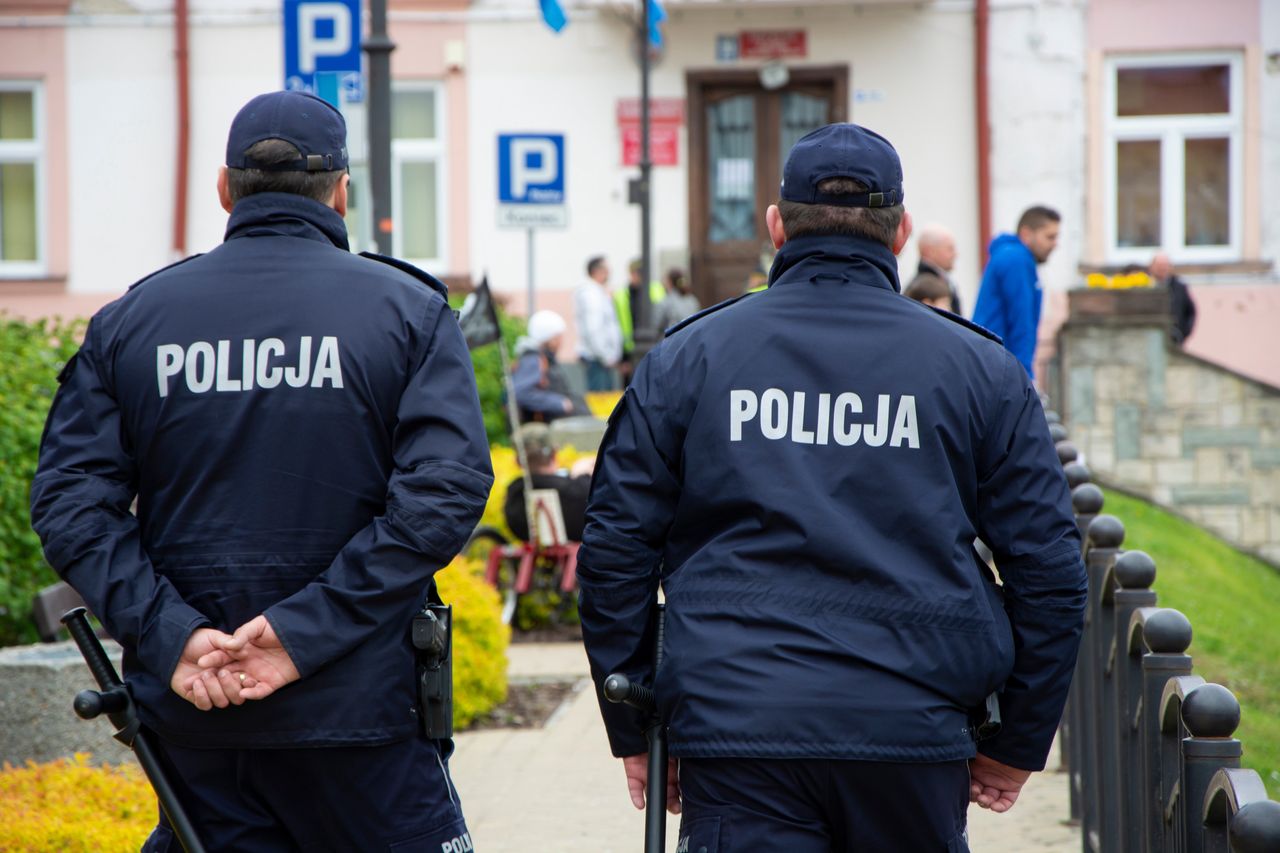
(1149, 747)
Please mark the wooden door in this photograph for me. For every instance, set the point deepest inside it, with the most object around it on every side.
(739, 137)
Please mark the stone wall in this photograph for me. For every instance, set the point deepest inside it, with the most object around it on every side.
(1179, 430)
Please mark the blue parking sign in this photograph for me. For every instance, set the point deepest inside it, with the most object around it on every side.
(531, 168)
(321, 37)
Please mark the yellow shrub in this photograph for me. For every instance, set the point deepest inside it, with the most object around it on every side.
(602, 403)
(69, 806)
(479, 641)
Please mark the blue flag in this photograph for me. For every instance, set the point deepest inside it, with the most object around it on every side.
(553, 14)
(656, 16)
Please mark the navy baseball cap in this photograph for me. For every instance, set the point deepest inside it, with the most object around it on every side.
(314, 126)
(843, 151)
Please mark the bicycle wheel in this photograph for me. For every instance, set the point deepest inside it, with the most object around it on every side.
(480, 545)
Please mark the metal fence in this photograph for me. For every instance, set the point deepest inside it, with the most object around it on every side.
(1148, 744)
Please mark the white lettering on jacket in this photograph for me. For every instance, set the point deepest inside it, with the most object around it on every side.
(220, 367)
(779, 415)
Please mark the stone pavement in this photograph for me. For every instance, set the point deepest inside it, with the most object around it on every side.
(558, 789)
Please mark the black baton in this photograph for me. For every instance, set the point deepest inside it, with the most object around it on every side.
(115, 701)
(619, 689)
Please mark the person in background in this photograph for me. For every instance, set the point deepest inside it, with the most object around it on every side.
(599, 332)
(937, 248)
(1181, 306)
(680, 301)
(931, 290)
(1009, 297)
(573, 485)
(627, 305)
(542, 393)
(757, 280)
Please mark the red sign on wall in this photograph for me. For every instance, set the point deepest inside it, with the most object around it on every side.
(665, 117)
(664, 145)
(772, 44)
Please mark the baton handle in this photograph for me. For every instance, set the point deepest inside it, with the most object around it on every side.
(619, 690)
(104, 672)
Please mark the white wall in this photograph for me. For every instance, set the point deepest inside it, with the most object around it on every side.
(916, 61)
(1038, 121)
(1270, 131)
(122, 106)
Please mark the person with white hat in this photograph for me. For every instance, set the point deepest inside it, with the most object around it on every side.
(542, 393)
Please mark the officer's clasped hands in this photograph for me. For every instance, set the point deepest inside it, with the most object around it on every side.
(218, 669)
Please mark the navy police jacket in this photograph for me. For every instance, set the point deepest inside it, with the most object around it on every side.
(301, 430)
(804, 471)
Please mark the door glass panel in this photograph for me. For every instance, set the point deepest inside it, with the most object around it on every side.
(1138, 193)
(1207, 192)
(419, 236)
(413, 114)
(17, 212)
(731, 162)
(801, 113)
(1177, 91)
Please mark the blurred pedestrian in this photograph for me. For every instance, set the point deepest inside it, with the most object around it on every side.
(1181, 306)
(1010, 294)
(679, 302)
(542, 392)
(937, 248)
(599, 332)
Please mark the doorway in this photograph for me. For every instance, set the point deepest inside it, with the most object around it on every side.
(739, 136)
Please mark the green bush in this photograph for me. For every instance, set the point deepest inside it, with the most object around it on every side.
(488, 366)
(31, 354)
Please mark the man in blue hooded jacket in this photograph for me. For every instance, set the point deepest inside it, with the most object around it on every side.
(804, 471)
(300, 428)
(1009, 296)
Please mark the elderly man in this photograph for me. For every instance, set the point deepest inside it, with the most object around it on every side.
(1182, 307)
(937, 248)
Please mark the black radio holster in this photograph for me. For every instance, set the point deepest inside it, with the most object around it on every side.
(432, 634)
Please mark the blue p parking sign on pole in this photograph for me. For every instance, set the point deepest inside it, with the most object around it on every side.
(531, 186)
(322, 47)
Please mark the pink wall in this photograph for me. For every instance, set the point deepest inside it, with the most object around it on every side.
(39, 53)
(420, 55)
(1116, 25)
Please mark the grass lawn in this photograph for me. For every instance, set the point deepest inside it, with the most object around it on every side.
(1233, 602)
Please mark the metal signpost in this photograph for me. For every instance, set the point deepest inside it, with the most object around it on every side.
(531, 190)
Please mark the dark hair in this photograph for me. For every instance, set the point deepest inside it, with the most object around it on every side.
(594, 264)
(1037, 217)
(928, 286)
(246, 182)
(874, 223)
(678, 280)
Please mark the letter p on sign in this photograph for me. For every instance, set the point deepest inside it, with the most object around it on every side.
(533, 163)
(324, 29)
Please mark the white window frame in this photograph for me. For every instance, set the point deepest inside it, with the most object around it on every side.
(423, 151)
(32, 151)
(1172, 132)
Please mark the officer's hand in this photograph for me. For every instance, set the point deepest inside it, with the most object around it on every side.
(993, 785)
(256, 650)
(637, 769)
(199, 685)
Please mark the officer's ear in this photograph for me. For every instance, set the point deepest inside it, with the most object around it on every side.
(224, 193)
(904, 232)
(339, 201)
(773, 222)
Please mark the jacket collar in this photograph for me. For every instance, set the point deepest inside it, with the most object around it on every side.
(286, 215)
(850, 259)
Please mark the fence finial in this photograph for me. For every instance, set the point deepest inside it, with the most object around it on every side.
(1211, 710)
(1067, 452)
(1086, 499)
(1106, 531)
(1135, 570)
(1167, 632)
(1256, 827)
(1077, 474)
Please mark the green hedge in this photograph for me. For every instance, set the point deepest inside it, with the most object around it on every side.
(488, 366)
(31, 354)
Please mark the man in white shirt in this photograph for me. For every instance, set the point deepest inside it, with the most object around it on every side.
(599, 333)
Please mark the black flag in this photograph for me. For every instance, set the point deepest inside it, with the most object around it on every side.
(479, 317)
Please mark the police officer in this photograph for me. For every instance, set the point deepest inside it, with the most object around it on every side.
(300, 428)
(804, 471)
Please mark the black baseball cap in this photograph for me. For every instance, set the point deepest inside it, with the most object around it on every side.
(312, 125)
(843, 151)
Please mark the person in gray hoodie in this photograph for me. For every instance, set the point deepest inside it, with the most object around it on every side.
(542, 393)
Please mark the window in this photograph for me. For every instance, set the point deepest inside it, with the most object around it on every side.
(21, 178)
(418, 175)
(1173, 157)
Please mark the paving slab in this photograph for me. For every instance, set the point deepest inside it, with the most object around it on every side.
(558, 788)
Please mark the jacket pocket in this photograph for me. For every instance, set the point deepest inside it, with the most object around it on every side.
(701, 835)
